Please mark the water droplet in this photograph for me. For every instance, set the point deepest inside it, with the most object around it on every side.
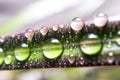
(44, 30)
(77, 24)
(52, 48)
(71, 59)
(13, 67)
(82, 61)
(90, 44)
(22, 52)
(59, 64)
(29, 33)
(55, 27)
(71, 53)
(110, 58)
(8, 59)
(100, 20)
(1, 56)
(62, 25)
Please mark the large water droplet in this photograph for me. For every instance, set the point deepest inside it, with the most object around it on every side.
(52, 48)
(1, 56)
(22, 52)
(90, 44)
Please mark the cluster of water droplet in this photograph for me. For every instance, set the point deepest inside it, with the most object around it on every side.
(76, 44)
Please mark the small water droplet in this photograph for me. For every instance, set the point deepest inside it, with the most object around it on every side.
(26, 64)
(110, 58)
(13, 67)
(29, 33)
(65, 64)
(52, 48)
(77, 24)
(62, 25)
(60, 64)
(71, 59)
(100, 20)
(55, 27)
(81, 61)
(44, 30)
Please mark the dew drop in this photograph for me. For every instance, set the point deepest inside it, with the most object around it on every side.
(22, 52)
(44, 30)
(90, 44)
(52, 48)
(71, 59)
(62, 25)
(55, 27)
(71, 53)
(29, 33)
(110, 58)
(82, 61)
(8, 59)
(77, 24)
(13, 67)
(100, 20)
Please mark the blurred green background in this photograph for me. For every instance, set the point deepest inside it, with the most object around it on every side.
(18, 15)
